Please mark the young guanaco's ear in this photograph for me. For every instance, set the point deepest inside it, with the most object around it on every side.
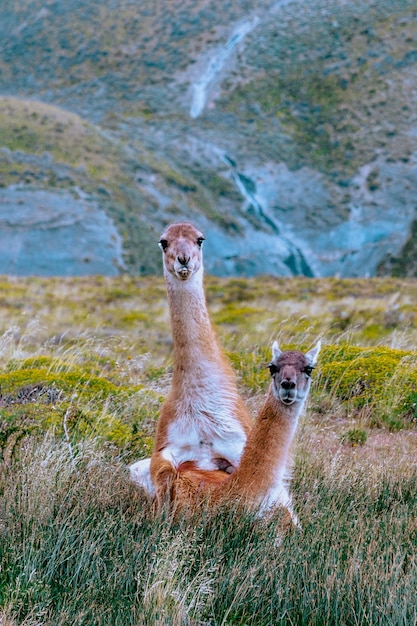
(276, 352)
(314, 353)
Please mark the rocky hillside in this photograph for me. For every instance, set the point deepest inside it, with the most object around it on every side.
(286, 130)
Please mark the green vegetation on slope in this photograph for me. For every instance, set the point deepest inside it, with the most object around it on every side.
(45, 147)
(353, 100)
(322, 85)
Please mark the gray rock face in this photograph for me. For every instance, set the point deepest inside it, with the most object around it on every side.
(303, 235)
(46, 234)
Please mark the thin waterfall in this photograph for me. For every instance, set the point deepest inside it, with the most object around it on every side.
(216, 65)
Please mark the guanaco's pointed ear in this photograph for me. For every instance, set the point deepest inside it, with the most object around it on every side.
(276, 352)
(314, 353)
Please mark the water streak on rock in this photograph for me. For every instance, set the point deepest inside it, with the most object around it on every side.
(216, 65)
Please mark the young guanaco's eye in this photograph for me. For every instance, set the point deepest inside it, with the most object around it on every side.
(163, 244)
(308, 370)
(272, 368)
(200, 241)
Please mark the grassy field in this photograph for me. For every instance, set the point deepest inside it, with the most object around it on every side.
(85, 366)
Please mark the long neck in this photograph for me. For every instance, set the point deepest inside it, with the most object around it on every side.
(194, 340)
(267, 449)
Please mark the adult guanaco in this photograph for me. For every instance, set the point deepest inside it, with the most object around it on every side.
(203, 419)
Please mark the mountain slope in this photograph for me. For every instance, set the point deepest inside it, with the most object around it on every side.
(276, 126)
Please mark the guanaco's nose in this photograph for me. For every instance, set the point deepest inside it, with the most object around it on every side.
(183, 259)
(288, 384)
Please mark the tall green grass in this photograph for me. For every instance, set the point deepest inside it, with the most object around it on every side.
(80, 545)
(81, 388)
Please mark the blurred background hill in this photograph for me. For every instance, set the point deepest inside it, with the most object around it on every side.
(286, 130)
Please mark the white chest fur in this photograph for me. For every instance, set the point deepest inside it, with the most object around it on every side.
(187, 442)
(205, 427)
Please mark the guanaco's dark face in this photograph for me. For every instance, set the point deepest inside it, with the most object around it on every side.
(291, 373)
(181, 246)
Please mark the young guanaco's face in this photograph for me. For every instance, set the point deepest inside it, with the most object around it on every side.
(181, 246)
(291, 373)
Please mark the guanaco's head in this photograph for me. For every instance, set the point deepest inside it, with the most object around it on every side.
(291, 373)
(181, 246)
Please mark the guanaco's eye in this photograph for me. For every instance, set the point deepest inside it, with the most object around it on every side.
(272, 368)
(200, 241)
(308, 370)
(163, 244)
